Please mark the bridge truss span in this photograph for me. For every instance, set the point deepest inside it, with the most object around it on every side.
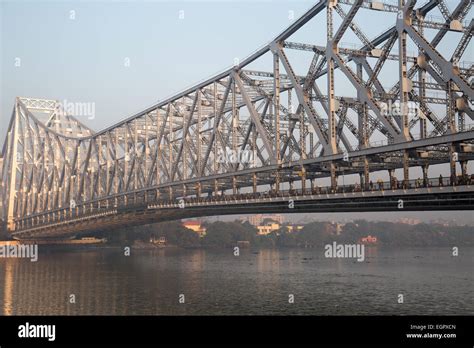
(321, 110)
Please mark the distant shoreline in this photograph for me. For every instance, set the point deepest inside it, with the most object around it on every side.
(256, 249)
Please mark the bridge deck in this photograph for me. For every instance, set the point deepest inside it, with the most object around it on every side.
(345, 199)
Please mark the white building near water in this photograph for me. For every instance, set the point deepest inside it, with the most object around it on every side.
(268, 228)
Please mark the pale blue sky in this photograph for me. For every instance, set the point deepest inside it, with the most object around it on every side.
(83, 59)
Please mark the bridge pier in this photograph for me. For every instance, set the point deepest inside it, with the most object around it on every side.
(332, 167)
(453, 157)
(216, 188)
(391, 175)
(365, 178)
(198, 190)
(463, 169)
(425, 174)
(277, 182)
(406, 168)
(303, 180)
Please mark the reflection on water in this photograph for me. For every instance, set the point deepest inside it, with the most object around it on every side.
(256, 282)
(8, 289)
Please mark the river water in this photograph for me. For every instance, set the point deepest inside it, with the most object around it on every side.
(105, 281)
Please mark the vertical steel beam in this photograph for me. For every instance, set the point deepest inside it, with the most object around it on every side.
(366, 173)
(332, 46)
(425, 168)
(170, 146)
(136, 157)
(159, 133)
(406, 168)
(403, 18)
(276, 102)
(199, 136)
(391, 175)
(13, 174)
(422, 84)
(254, 182)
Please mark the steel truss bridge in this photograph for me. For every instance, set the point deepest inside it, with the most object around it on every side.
(251, 140)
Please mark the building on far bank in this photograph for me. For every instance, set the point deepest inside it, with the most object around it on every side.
(409, 221)
(444, 222)
(196, 226)
(269, 227)
(294, 228)
(258, 219)
(161, 241)
(338, 228)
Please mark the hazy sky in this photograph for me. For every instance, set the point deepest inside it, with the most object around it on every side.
(76, 50)
(83, 59)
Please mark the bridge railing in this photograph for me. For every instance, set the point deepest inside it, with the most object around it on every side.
(378, 185)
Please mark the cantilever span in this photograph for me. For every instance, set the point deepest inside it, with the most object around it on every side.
(265, 140)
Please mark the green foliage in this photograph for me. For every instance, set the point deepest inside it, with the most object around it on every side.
(227, 234)
(174, 232)
(316, 234)
(398, 234)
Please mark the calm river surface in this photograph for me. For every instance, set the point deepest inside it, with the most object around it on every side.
(104, 281)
